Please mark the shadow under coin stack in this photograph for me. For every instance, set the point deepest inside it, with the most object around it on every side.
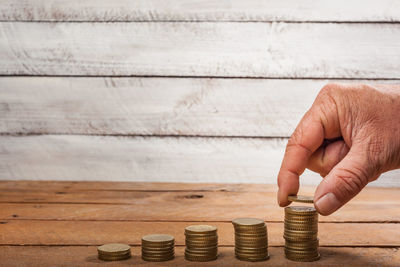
(114, 252)
(201, 243)
(251, 239)
(158, 247)
(301, 233)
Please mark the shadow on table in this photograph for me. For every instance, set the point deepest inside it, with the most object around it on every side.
(351, 256)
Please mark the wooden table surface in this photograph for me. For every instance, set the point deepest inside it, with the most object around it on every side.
(61, 223)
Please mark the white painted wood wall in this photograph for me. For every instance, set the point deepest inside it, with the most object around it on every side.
(182, 90)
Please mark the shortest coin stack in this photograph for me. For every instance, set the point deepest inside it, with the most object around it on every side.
(114, 252)
(158, 247)
(201, 243)
(251, 239)
(301, 231)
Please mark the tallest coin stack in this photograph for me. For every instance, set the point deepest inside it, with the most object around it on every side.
(301, 233)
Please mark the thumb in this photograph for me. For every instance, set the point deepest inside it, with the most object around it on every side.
(343, 182)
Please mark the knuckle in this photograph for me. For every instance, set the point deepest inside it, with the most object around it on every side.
(349, 182)
(330, 88)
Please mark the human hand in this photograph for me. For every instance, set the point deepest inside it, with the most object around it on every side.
(350, 135)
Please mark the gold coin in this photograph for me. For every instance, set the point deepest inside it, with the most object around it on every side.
(302, 220)
(250, 235)
(302, 232)
(158, 238)
(201, 246)
(299, 227)
(250, 229)
(301, 199)
(196, 229)
(114, 258)
(157, 248)
(314, 241)
(195, 248)
(114, 254)
(113, 248)
(201, 252)
(253, 255)
(251, 244)
(201, 237)
(151, 255)
(301, 210)
(248, 222)
(158, 259)
(251, 251)
(200, 259)
(299, 238)
(251, 240)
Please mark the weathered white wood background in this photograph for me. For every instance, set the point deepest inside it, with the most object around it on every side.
(183, 90)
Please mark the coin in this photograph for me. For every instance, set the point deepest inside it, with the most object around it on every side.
(251, 240)
(301, 199)
(158, 238)
(114, 258)
(201, 243)
(114, 252)
(253, 259)
(203, 229)
(200, 259)
(114, 248)
(248, 222)
(158, 247)
(301, 232)
(300, 210)
(148, 258)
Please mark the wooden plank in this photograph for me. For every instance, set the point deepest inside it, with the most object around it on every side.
(181, 206)
(352, 212)
(155, 106)
(67, 186)
(194, 10)
(96, 158)
(201, 49)
(33, 232)
(44, 256)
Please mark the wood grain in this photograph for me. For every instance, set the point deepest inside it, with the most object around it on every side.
(27, 232)
(52, 186)
(155, 106)
(66, 186)
(43, 256)
(201, 49)
(96, 158)
(188, 211)
(194, 10)
(126, 205)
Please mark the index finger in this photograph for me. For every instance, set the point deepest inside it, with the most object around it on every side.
(305, 140)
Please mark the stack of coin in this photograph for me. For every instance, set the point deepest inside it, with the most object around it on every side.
(201, 243)
(251, 239)
(158, 247)
(301, 233)
(114, 252)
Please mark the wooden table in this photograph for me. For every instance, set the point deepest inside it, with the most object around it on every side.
(61, 223)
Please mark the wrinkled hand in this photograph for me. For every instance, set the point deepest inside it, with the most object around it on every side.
(350, 135)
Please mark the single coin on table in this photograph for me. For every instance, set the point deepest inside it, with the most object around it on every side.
(301, 199)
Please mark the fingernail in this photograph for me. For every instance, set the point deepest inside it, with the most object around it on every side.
(327, 204)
